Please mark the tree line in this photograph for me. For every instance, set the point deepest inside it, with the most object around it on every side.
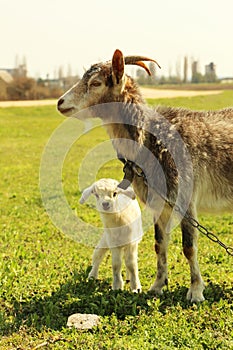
(180, 76)
(23, 87)
(16, 85)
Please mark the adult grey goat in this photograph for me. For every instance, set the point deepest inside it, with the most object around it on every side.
(169, 153)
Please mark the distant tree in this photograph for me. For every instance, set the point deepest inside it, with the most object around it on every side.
(178, 70)
(141, 76)
(42, 92)
(69, 71)
(169, 71)
(185, 79)
(173, 79)
(3, 90)
(60, 72)
(197, 77)
(162, 80)
(152, 79)
(21, 88)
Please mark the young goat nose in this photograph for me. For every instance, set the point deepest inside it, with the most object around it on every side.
(105, 205)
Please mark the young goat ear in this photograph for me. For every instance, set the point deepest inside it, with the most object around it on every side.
(118, 66)
(128, 192)
(86, 193)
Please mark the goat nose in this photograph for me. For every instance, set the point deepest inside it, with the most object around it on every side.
(60, 102)
(105, 205)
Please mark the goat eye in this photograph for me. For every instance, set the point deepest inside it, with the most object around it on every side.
(97, 196)
(114, 194)
(95, 83)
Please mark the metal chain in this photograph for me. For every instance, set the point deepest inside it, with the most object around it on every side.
(203, 229)
(139, 172)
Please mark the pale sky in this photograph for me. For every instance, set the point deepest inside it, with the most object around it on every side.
(53, 33)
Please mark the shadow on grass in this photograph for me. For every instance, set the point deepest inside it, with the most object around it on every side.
(81, 296)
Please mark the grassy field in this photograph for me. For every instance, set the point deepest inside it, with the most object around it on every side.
(44, 272)
(198, 86)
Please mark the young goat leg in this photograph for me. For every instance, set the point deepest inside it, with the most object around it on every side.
(131, 262)
(97, 258)
(116, 268)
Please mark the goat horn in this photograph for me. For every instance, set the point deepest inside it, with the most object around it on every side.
(143, 65)
(136, 59)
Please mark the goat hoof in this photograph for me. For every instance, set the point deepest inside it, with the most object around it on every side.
(155, 293)
(195, 297)
(92, 278)
(156, 290)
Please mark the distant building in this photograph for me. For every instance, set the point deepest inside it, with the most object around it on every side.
(227, 80)
(210, 68)
(5, 79)
(60, 83)
(18, 72)
(6, 76)
(210, 72)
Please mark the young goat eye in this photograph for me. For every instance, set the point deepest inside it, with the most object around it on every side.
(96, 195)
(114, 194)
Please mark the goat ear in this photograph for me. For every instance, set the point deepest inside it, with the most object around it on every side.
(86, 193)
(128, 192)
(118, 65)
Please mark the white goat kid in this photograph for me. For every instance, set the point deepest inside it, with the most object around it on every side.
(121, 217)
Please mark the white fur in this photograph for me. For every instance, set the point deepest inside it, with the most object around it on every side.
(121, 217)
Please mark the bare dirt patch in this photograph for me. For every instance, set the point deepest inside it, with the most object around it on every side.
(27, 103)
(157, 93)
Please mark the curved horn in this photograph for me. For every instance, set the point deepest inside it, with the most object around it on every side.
(137, 60)
(143, 65)
(133, 59)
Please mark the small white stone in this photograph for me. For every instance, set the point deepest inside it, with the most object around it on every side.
(83, 321)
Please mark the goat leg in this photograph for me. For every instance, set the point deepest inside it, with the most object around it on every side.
(189, 240)
(161, 247)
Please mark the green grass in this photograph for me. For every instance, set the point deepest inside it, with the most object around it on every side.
(44, 272)
(209, 102)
